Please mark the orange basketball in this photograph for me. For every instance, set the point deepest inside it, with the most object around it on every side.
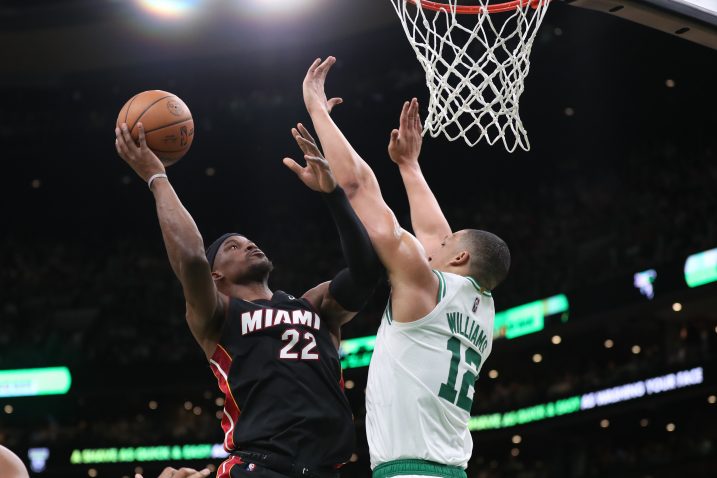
(168, 124)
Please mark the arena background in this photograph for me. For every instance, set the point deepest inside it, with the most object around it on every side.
(598, 378)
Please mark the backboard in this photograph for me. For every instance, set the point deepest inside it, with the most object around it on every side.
(693, 20)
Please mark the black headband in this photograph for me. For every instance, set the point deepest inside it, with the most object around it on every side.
(213, 248)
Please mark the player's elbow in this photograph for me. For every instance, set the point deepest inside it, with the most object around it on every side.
(356, 183)
(383, 228)
(351, 188)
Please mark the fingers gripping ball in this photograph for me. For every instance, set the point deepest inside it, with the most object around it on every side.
(167, 121)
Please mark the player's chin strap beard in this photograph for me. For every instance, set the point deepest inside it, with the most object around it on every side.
(256, 273)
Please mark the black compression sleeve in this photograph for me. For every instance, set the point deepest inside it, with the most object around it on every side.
(358, 251)
(351, 287)
(349, 294)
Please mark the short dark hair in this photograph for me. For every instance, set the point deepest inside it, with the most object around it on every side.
(490, 257)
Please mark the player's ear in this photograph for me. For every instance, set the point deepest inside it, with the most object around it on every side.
(217, 275)
(461, 259)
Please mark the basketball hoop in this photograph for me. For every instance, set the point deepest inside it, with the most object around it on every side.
(476, 58)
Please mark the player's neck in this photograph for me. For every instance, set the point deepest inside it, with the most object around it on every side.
(249, 291)
(453, 270)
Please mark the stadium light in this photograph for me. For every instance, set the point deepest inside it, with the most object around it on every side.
(169, 8)
(275, 9)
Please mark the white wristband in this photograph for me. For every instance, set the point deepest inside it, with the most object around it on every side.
(153, 177)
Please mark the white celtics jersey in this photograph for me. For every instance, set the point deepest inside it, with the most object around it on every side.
(422, 373)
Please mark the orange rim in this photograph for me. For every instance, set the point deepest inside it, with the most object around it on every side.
(474, 9)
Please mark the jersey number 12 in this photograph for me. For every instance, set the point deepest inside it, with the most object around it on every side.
(448, 390)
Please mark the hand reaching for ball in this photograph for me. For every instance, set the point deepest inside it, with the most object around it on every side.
(167, 121)
(140, 158)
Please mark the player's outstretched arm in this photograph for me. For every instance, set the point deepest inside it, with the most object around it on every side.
(340, 299)
(351, 171)
(413, 284)
(429, 223)
(182, 240)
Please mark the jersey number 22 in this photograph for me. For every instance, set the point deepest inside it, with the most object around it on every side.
(292, 336)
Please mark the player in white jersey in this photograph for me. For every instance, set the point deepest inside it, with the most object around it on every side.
(438, 326)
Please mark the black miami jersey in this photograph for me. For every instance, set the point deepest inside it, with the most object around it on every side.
(281, 376)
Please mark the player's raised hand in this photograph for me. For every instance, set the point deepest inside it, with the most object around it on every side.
(181, 473)
(314, 93)
(306, 142)
(317, 174)
(140, 158)
(405, 143)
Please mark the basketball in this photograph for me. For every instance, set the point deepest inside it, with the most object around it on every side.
(168, 123)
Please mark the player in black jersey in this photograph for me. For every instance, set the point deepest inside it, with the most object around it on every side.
(275, 356)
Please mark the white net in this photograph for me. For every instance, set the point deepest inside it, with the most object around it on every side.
(475, 64)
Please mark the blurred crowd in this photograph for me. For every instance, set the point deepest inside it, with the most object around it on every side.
(641, 452)
(644, 348)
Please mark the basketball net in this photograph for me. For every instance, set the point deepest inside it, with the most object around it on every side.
(476, 62)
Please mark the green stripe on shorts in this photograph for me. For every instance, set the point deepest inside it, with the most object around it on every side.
(417, 467)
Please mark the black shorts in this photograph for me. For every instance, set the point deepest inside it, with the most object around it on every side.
(244, 467)
(254, 470)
